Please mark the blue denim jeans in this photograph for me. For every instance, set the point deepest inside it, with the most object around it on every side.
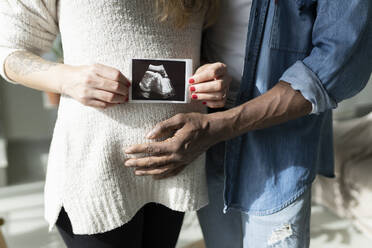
(288, 228)
(220, 230)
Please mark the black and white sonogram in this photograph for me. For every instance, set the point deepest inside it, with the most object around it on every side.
(160, 80)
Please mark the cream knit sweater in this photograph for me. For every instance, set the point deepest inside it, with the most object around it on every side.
(85, 171)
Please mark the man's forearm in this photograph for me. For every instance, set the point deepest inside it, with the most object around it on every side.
(280, 104)
(35, 72)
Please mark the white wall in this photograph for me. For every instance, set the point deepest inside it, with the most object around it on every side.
(348, 107)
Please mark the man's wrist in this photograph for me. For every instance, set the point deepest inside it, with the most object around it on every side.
(280, 104)
(221, 125)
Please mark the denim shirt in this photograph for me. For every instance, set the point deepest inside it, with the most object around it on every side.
(323, 48)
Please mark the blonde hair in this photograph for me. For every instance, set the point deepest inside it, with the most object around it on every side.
(180, 11)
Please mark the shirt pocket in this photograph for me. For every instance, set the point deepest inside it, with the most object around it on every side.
(292, 25)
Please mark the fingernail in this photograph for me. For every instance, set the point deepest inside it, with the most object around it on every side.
(129, 84)
(127, 99)
(204, 103)
(192, 88)
(150, 135)
(191, 81)
(194, 97)
(128, 150)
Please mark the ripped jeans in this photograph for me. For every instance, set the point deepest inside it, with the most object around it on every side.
(288, 228)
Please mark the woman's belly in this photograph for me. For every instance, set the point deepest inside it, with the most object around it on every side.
(112, 129)
(129, 121)
(88, 144)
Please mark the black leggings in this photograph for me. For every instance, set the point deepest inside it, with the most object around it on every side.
(153, 226)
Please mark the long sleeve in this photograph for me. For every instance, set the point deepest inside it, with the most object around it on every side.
(26, 26)
(340, 62)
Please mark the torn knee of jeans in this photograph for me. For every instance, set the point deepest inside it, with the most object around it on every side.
(280, 234)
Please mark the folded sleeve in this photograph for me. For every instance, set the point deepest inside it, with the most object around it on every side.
(26, 26)
(340, 63)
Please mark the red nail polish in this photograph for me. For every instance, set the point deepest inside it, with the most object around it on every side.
(191, 80)
(204, 103)
(129, 84)
(127, 99)
(192, 88)
(194, 97)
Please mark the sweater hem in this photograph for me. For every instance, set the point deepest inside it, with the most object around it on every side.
(124, 219)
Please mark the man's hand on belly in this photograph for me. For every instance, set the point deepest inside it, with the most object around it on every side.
(189, 136)
(192, 134)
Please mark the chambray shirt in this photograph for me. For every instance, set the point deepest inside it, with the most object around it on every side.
(323, 48)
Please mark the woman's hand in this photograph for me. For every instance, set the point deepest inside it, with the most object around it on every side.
(210, 85)
(96, 85)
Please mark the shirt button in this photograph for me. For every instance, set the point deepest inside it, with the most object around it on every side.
(256, 13)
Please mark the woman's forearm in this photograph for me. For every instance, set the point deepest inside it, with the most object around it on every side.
(92, 85)
(35, 72)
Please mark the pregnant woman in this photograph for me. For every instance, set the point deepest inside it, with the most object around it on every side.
(90, 195)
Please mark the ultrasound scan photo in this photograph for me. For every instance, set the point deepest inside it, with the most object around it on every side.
(158, 80)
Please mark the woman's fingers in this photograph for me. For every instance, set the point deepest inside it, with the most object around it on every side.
(213, 96)
(211, 99)
(110, 73)
(108, 97)
(101, 86)
(109, 79)
(110, 86)
(209, 72)
(211, 86)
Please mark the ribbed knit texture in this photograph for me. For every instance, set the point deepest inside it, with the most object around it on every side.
(85, 172)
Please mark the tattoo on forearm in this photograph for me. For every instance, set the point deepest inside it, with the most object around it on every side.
(23, 63)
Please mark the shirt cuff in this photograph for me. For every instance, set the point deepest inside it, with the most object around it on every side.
(4, 53)
(301, 78)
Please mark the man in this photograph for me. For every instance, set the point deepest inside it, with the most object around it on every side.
(302, 57)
